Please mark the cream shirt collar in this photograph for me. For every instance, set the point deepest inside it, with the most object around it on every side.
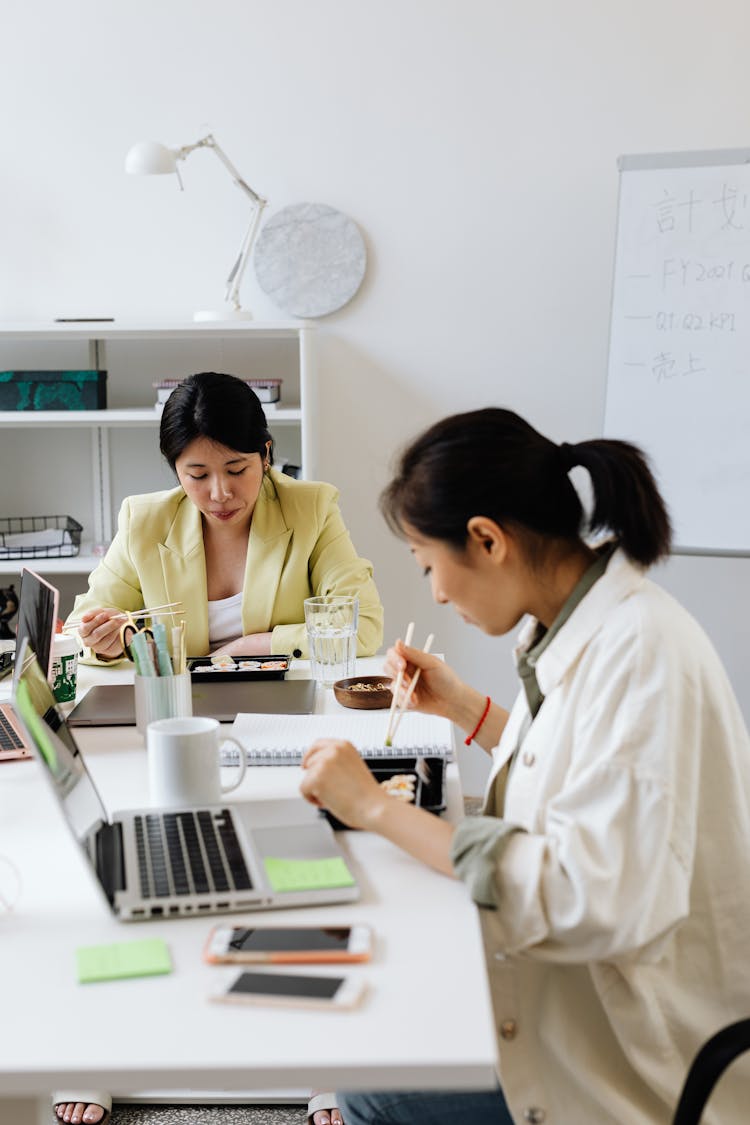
(621, 579)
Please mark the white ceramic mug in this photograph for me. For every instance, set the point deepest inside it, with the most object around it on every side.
(183, 762)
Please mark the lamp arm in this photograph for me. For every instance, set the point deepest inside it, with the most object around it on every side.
(209, 141)
(234, 280)
(232, 292)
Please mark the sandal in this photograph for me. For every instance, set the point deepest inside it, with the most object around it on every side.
(86, 1098)
(325, 1102)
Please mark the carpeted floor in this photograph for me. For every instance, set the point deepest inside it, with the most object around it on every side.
(208, 1115)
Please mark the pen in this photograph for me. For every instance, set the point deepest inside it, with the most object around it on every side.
(139, 651)
(178, 648)
(159, 630)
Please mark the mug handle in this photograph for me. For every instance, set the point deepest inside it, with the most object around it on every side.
(242, 765)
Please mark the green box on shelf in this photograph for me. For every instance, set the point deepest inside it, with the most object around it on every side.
(53, 390)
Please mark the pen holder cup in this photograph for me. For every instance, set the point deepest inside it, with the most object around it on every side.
(162, 697)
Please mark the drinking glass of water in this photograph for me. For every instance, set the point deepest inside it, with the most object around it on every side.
(331, 623)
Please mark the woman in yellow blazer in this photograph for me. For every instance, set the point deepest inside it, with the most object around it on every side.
(239, 544)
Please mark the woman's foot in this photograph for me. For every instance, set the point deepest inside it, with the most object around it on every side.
(327, 1117)
(80, 1113)
(323, 1110)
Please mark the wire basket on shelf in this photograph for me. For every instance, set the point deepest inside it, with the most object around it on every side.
(39, 537)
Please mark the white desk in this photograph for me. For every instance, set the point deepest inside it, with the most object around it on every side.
(426, 1021)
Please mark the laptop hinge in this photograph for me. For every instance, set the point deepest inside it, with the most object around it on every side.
(110, 859)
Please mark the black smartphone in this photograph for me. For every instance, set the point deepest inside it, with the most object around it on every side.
(293, 990)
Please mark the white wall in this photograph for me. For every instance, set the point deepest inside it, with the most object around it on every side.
(473, 141)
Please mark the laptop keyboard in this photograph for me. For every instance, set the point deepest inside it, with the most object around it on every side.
(188, 853)
(9, 736)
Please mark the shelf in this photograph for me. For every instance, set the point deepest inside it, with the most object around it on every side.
(73, 564)
(282, 346)
(147, 330)
(132, 416)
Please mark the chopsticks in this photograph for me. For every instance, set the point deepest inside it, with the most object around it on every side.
(166, 610)
(397, 687)
(415, 680)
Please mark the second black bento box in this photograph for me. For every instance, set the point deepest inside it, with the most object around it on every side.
(238, 668)
(401, 772)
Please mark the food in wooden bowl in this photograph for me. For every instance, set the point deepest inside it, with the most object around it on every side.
(366, 693)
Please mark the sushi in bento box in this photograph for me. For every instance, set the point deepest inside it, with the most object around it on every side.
(238, 668)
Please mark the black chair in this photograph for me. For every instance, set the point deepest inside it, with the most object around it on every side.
(706, 1070)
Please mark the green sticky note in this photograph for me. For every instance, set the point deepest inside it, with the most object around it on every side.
(122, 959)
(307, 874)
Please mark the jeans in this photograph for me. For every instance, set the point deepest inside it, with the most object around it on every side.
(425, 1107)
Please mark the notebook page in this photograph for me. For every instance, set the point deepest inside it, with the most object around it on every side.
(283, 739)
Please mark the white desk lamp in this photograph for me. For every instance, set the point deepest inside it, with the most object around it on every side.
(151, 158)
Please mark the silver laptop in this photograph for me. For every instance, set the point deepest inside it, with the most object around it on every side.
(113, 705)
(157, 863)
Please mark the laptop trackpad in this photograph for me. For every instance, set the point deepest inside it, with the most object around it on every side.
(289, 829)
(308, 841)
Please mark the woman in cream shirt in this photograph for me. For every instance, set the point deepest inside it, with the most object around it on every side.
(611, 864)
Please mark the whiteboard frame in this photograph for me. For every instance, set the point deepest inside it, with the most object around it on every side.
(638, 162)
(706, 158)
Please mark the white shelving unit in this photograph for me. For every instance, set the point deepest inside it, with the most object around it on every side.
(135, 354)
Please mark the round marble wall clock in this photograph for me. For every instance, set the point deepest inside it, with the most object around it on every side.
(310, 259)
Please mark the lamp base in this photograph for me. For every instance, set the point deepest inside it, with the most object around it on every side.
(223, 314)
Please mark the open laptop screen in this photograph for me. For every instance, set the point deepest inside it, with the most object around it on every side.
(52, 740)
(37, 616)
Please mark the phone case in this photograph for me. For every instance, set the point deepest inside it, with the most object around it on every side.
(286, 957)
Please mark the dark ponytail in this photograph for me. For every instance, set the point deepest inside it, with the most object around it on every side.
(627, 500)
(492, 463)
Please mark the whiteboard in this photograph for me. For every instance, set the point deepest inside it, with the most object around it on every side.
(678, 381)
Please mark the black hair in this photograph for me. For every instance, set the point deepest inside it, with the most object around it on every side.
(492, 463)
(220, 407)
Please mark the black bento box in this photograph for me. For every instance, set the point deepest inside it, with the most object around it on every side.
(428, 795)
(202, 670)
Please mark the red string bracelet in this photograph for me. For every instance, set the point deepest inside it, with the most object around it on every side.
(468, 741)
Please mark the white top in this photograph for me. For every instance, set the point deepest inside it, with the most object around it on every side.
(224, 620)
(619, 942)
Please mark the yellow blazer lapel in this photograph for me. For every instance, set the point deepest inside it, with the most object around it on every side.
(183, 563)
(266, 553)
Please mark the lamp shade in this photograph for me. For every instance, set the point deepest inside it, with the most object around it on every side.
(149, 158)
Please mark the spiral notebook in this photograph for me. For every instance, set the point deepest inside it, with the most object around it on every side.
(281, 740)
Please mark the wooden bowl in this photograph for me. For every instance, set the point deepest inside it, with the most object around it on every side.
(365, 693)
